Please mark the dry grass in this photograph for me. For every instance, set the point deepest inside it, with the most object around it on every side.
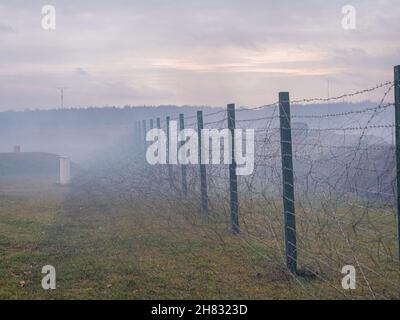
(115, 252)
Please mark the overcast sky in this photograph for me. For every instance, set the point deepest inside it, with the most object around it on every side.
(196, 52)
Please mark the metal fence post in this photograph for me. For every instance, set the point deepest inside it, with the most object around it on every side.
(232, 172)
(397, 130)
(139, 135)
(184, 169)
(144, 133)
(167, 121)
(203, 172)
(144, 129)
(168, 151)
(135, 132)
(288, 182)
(158, 125)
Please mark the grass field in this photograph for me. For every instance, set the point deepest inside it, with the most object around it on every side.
(110, 252)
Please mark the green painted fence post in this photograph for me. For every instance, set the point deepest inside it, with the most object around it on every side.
(168, 119)
(144, 134)
(288, 182)
(232, 173)
(139, 136)
(158, 125)
(135, 130)
(397, 133)
(184, 169)
(203, 171)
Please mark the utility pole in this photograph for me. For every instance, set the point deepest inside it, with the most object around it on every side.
(62, 95)
(329, 88)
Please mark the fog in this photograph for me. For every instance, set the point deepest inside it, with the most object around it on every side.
(83, 134)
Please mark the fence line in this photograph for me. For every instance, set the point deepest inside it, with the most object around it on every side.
(347, 184)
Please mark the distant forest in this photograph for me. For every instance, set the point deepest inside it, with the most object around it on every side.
(81, 132)
(126, 115)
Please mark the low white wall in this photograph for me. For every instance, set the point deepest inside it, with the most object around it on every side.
(65, 170)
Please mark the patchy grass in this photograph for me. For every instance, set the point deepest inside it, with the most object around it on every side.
(23, 226)
(129, 253)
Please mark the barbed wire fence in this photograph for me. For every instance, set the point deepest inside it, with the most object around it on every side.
(323, 192)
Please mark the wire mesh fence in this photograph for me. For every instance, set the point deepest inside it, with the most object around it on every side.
(339, 209)
(342, 209)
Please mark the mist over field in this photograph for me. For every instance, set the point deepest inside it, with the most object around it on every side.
(83, 133)
(304, 95)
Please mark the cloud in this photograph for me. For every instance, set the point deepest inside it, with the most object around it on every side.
(192, 52)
